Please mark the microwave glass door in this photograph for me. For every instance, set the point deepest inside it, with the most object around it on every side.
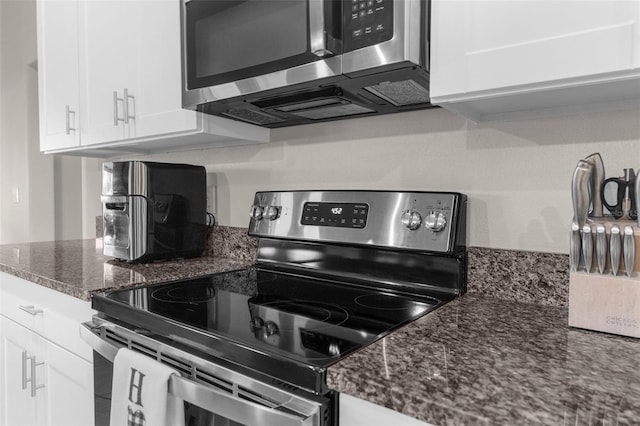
(231, 40)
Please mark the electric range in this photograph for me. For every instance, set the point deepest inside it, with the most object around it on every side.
(334, 272)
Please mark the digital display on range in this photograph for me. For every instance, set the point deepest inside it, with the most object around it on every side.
(342, 215)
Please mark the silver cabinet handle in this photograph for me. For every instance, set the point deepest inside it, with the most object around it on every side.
(32, 380)
(116, 119)
(317, 38)
(34, 387)
(125, 102)
(24, 369)
(30, 309)
(68, 113)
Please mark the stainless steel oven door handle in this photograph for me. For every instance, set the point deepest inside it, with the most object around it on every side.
(317, 36)
(231, 407)
(207, 397)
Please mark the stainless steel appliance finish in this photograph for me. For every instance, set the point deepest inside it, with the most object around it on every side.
(153, 210)
(235, 397)
(334, 272)
(418, 221)
(353, 58)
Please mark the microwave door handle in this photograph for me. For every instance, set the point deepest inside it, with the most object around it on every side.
(317, 37)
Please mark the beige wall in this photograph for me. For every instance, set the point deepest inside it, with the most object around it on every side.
(517, 174)
(49, 188)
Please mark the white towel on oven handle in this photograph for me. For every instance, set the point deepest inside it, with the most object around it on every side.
(140, 392)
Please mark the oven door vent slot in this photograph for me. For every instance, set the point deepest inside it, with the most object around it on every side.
(212, 380)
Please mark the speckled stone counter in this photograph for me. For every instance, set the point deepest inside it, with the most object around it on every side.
(484, 361)
(78, 267)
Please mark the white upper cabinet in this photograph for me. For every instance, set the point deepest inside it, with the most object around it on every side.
(121, 60)
(106, 59)
(502, 59)
(58, 80)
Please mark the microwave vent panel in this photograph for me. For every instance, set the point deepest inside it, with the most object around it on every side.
(251, 116)
(399, 93)
(340, 110)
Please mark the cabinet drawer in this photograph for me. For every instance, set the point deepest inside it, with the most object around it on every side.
(54, 315)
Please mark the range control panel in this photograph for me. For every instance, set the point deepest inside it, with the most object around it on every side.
(422, 221)
(343, 215)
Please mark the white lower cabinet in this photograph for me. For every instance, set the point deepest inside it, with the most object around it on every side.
(46, 373)
(19, 346)
(358, 412)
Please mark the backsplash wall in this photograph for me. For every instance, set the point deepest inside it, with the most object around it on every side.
(516, 174)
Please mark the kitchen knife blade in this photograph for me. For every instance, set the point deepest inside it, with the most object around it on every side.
(587, 247)
(595, 184)
(615, 248)
(629, 250)
(601, 247)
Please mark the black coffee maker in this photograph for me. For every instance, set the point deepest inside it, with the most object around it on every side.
(153, 211)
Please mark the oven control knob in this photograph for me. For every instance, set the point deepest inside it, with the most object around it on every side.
(272, 212)
(435, 221)
(257, 212)
(411, 219)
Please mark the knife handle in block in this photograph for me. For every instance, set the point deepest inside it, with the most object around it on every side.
(615, 249)
(574, 247)
(587, 247)
(629, 250)
(601, 247)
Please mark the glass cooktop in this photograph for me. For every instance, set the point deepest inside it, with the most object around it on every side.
(308, 320)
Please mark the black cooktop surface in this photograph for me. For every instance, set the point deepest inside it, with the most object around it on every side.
(310, 321)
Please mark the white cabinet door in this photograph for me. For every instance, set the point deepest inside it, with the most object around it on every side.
(68, 389)
(42, 384)
(106, 57)
(358, 412)
(156, 88)
(58, 85)
(19, 405)
(508, 52)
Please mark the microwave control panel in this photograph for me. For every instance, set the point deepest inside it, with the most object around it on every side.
(367, 22)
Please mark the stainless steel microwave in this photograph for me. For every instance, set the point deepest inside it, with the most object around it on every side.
(279, 63)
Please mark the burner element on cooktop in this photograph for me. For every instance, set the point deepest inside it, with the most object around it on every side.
(178, 293)
(318, 315)
(385, 301)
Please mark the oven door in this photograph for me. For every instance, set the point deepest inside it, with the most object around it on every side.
(214, 395)
(235, 47)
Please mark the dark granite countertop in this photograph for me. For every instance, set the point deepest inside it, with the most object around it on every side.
(485, 361)
(78, 267)
(478, 360)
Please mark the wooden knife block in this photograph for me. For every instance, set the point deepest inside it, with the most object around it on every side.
(607, 303)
